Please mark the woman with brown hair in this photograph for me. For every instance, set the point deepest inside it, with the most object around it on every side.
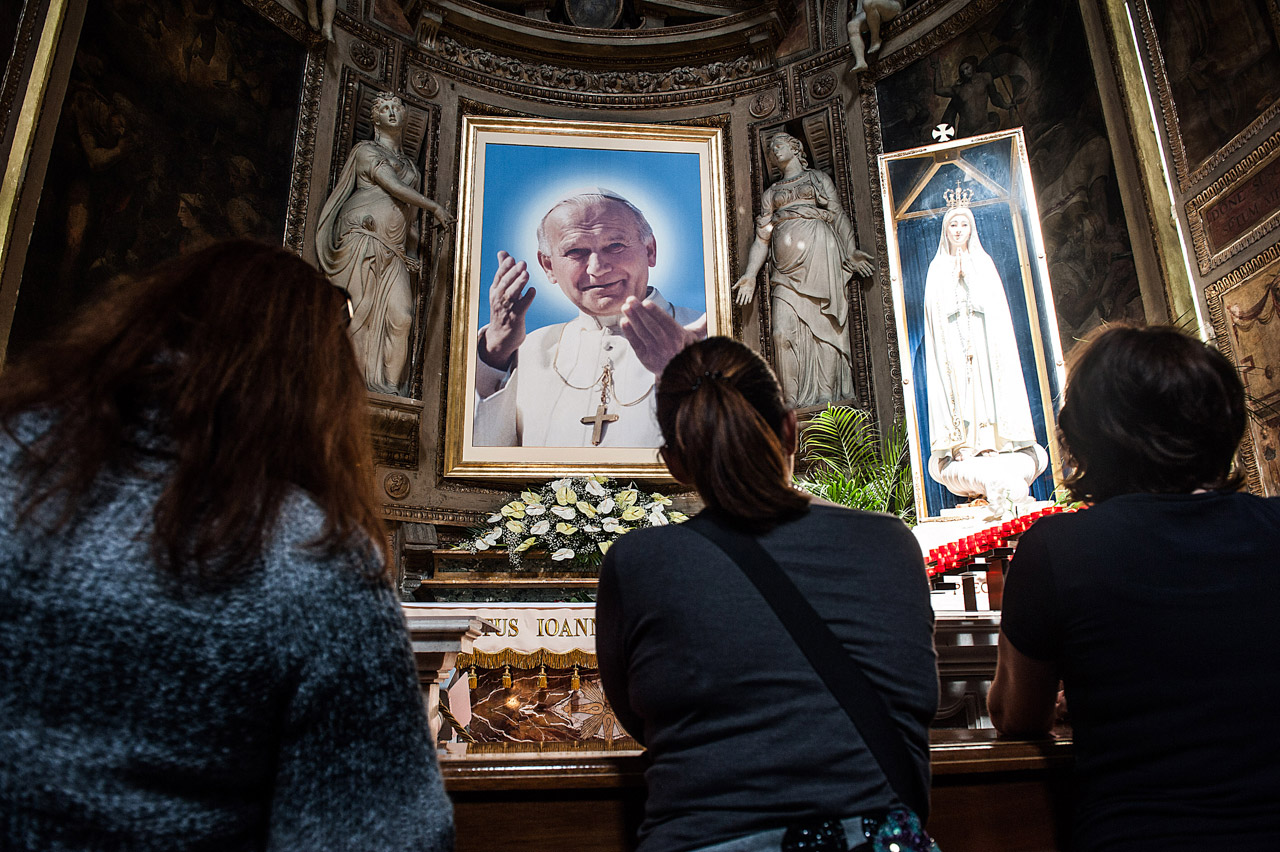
(1154, 606)
(750, 749)
(198, 643)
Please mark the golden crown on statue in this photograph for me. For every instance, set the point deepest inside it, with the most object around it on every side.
(958, 197)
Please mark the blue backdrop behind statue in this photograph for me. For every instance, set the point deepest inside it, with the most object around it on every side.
(919, 241)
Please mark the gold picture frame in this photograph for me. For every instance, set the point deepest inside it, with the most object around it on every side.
(512, 172)
(993, 175)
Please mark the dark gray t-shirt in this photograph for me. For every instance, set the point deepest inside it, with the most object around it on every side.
(742, 734)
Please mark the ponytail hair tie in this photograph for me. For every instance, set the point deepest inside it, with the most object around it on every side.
(710, 375)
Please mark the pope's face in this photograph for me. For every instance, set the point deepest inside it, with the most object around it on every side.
(958, 232)
(597, 256)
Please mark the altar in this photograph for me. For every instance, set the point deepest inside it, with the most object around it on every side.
(532, 745)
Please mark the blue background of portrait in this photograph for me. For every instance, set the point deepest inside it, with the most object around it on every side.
(523, 182)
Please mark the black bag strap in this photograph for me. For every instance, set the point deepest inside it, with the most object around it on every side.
(860, 699)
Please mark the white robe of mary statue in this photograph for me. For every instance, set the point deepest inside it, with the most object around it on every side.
(555, 381)
(976, 395)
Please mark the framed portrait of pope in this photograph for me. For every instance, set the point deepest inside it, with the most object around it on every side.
(978, 341)
(589, 254)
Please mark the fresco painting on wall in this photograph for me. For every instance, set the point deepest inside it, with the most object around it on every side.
(177, 128)
(1222, 62)
(1244, 307)
(1006, 72)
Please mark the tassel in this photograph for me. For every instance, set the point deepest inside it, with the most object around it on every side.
(575, 683)
(542, 677)
(506, 677)
(472, 680)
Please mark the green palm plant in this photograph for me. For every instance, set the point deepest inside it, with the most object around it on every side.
(845, 461)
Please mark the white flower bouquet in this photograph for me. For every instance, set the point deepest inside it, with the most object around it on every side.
(575, 519)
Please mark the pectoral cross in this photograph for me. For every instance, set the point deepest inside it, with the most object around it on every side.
(602, 415)
(600, 418)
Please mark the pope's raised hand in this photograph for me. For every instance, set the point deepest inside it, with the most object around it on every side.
(654, 334)
(509, 302)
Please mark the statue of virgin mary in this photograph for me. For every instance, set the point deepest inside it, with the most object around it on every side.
(981, 439)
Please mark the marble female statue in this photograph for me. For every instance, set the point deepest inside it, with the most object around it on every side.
(981, 439)
(361, 242)
(808, 242)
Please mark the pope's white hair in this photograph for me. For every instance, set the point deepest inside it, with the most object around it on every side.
(593, 196)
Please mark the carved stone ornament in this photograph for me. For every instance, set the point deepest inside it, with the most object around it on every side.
(364, 56)
(395, 434)
(580, 80)
(396, 485)
(763, 105)
(423, 83)
(823, 85)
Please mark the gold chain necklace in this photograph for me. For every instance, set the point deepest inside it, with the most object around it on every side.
(605, 381)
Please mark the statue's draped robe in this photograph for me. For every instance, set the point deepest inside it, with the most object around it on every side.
(361, 246)
(811, 259)
(976, 393)
(554, 382)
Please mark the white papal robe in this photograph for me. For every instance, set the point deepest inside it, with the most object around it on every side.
(553, 382)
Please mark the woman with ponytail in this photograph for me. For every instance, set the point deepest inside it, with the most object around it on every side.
(750, 750)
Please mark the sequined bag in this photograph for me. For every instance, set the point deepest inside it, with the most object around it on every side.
(898, 830)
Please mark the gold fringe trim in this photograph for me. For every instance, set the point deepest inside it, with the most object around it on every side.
(531, 660)
(620, 744)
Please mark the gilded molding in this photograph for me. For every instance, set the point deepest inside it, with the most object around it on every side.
(425, 515)
(1188, 175)
(304, 149)
(1241, 274)
(13, 76)
(1250, 165)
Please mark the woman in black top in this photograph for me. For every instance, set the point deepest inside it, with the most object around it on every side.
(744, 738)
(1155, 606)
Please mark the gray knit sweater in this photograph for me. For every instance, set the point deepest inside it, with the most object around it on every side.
(137, 713)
